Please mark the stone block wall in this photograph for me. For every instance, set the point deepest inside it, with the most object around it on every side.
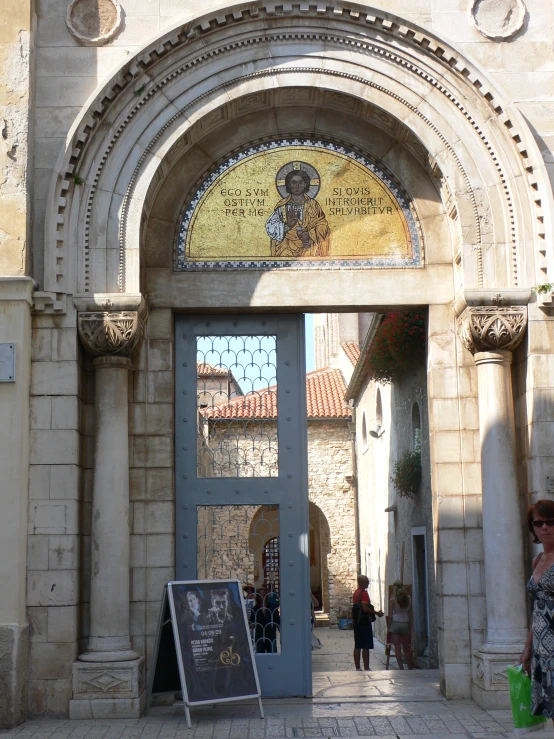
(456, 485)
(17, 38)
(56, 587)
(152, 489)
(329, 466)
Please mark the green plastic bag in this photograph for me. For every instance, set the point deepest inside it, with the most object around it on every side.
(520, 698)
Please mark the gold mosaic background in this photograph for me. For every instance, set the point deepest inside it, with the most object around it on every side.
(364, 218)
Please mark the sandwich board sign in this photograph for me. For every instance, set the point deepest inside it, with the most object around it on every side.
(203, 645)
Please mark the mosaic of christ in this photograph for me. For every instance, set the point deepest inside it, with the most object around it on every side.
(298, 226)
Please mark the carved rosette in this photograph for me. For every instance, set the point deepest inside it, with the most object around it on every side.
(498, 19)
(490, 328)
(115, 334)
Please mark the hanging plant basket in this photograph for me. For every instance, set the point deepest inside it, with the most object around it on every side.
(398, 344)
(407, 474)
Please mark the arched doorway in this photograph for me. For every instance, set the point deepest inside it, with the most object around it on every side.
(376, 84)
(320, 547)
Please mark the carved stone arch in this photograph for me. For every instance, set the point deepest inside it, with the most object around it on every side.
(117, 148)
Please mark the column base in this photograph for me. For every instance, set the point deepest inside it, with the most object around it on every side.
(125, 655)
(14, 656)
(108, 690)
(490, 683)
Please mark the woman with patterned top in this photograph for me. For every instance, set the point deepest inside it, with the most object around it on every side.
(537, 657)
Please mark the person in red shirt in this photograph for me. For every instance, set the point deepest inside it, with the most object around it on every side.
(363, 613)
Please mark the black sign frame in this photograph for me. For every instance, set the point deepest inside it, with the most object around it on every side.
(176, 627)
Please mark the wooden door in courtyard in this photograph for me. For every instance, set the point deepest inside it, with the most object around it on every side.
(241, 478)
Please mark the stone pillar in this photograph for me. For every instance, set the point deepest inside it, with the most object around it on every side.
(491, 333)
(109, 639)
(108, 679)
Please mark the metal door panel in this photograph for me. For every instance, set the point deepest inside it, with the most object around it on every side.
(289, 672)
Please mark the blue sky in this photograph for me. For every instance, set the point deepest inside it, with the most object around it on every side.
(251, 359)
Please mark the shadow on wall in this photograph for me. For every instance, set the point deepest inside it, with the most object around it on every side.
(410, 552)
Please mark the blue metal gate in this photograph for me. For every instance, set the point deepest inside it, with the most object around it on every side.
(241, 478)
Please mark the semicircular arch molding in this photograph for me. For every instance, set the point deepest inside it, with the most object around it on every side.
(121, 146)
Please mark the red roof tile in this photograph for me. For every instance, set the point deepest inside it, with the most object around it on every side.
(211, 370)
(325, 390)
(352, 351)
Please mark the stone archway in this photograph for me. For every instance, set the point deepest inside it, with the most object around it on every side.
(467, 158)
(421, 89)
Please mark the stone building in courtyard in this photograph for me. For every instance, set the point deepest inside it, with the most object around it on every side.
(176, 178)
(239, 439)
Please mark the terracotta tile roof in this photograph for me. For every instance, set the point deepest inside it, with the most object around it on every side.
(211, 370)
(325, 390)
(262, 404)
(352, 351)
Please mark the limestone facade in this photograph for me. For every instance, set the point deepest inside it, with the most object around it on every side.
(99, 147)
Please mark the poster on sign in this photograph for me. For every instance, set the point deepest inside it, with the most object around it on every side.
(203, 645)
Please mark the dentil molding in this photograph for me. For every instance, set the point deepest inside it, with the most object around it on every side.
(492, 328)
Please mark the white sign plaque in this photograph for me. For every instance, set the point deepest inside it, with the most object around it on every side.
(7, 362)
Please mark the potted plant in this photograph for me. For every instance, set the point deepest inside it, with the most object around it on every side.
(406, 476)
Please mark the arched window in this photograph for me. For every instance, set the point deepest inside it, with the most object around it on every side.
(378, 409)
(364, 431)
(416, 427)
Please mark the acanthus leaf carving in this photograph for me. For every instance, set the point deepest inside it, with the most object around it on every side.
(106, 334)
(491, 328)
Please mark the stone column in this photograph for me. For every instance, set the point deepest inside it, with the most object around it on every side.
(108, 679)
(491, 333)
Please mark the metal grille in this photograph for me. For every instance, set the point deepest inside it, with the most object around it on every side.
(242, 542)
(237, 406)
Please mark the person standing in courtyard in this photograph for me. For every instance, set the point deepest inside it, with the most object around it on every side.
(400, 625)
(537, 657)
(363, 614)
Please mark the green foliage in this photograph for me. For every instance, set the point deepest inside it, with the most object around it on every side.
(77, 180)
(544, 289)
(407, 473)
(400, 340)
(139, 90)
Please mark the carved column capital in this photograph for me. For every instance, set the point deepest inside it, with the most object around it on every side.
(492, 328)
(117, 333)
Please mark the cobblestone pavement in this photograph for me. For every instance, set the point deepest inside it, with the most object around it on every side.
(394, 704)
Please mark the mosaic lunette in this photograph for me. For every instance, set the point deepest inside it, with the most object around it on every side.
(298, 203)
